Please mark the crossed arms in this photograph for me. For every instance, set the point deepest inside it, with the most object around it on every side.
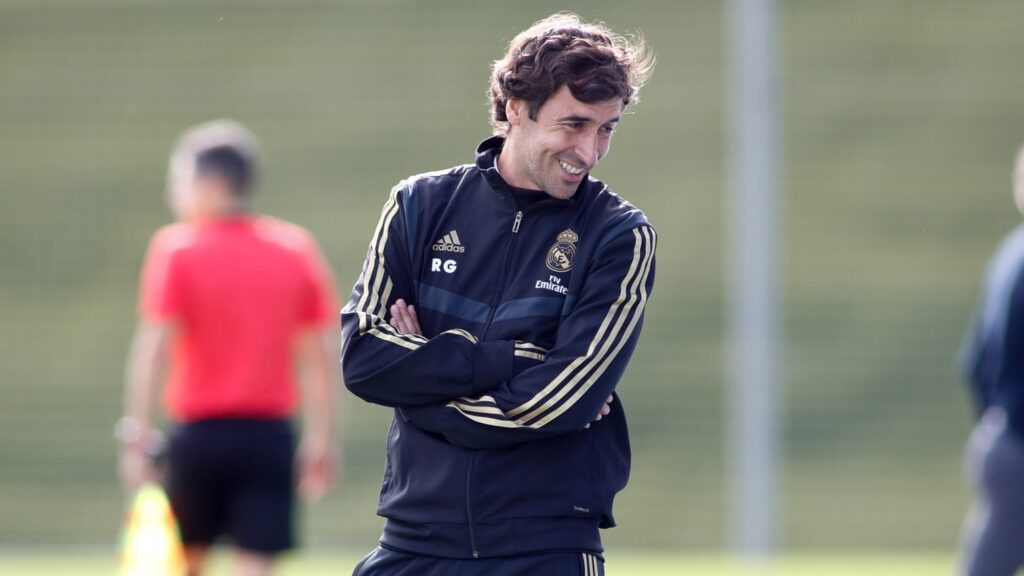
(485, 394)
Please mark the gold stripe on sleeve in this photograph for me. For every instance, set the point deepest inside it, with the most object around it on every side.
(634, 319)
(602, 342)
(612, 311)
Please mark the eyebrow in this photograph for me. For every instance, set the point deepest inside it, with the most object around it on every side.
(577, 118)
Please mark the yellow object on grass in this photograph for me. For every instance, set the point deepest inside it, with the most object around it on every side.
(151, 544)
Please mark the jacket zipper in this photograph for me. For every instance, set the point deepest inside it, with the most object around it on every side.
(504, 272)
(501, 281)
(472, 455)
(469, 504)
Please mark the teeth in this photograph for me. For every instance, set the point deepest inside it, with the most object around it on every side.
(570, 168)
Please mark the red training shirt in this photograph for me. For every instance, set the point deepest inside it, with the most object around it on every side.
(240, 290)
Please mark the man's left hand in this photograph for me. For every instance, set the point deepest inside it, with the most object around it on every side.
(403, 317)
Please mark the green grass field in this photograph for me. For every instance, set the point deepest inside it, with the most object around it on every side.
(654, 563)
(899, 120)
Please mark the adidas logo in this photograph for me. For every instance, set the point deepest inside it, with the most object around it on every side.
(449, 243)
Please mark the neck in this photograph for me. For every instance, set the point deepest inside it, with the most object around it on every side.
(506, 163)
(219, 214)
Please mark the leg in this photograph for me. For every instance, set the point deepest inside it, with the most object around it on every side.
(993, 543)
(993, 540)
(591, 564)
(195, 559)
(541, 564)
(262, 504)
(253, 564)
(387, 562)
(195, 487)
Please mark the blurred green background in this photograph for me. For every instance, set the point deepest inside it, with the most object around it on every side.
(900, 120)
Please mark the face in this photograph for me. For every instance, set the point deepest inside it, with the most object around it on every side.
(182, 195)
(193, 198)
(555, 152)
(1018, 182)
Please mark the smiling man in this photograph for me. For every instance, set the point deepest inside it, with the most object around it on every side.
(555, 148)
(497, 310)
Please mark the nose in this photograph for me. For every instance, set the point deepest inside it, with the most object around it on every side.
(588, 147)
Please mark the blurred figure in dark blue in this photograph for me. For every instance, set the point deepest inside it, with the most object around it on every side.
(993, 363)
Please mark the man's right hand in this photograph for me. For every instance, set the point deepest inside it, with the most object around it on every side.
(136, 468)
(403, 317)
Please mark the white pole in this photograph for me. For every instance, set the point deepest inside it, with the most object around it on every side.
(753, 306)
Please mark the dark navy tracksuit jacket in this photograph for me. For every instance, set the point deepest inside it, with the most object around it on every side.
(530, 315)
(993, 353)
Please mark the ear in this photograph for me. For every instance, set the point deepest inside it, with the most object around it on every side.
(515, 111)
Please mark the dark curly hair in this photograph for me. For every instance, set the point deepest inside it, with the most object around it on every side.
(594, 63)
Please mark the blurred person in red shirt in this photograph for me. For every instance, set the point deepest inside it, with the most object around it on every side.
(233, 306)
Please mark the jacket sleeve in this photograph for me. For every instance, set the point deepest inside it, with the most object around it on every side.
(384, 366)
(565, 391)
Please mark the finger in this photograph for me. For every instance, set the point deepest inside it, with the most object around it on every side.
(414, 321)
(399, 317)
(610, 399)
(408, 326)
(315, 478)
(605, 409)
(404, 318)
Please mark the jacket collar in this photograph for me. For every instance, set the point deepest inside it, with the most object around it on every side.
(486, 155)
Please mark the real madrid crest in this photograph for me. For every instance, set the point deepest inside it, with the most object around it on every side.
(563, 253)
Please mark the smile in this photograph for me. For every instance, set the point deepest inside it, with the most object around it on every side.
(570, 168)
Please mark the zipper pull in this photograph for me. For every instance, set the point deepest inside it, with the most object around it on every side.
(515, 225)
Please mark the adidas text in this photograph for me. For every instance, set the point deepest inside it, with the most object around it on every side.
(449, 248)
(450, 242)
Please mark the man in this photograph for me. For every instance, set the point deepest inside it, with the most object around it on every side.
(230, 301)
(993, 361)
(497, 309)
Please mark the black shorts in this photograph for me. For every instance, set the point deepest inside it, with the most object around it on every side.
(385, 561)
(234, 478)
